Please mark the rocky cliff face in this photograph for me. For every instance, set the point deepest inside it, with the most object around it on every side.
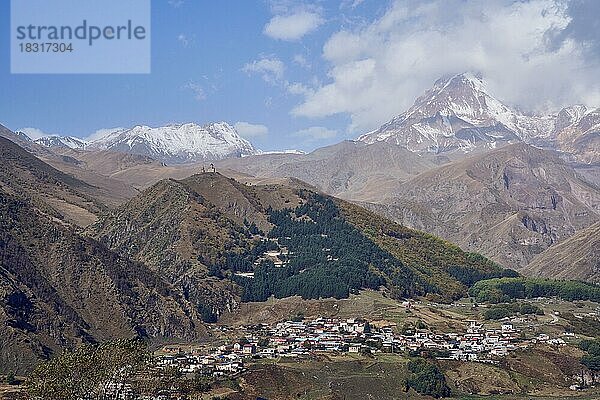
(577, 132)
(577, 257)
(510, 204)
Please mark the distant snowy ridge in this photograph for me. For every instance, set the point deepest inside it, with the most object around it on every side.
(62, 141)
(289, 151)
(172, 144)
(23, 136)
(178, 143)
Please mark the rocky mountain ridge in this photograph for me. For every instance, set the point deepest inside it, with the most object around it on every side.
(171, 144)
(577, 257)
(510, 203)
(70, 142)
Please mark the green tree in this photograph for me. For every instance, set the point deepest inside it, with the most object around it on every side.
(591, 361)
(499, 290)
(426, 378)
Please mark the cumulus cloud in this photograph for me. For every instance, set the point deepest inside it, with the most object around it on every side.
(378, 69)
(100, 133)
(248, 130)
(293, 26)
(583, 28)
(316, 133)
(269, 68)
(298, 88)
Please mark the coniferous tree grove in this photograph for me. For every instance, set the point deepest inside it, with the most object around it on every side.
(328, 257)
(469, 276)
(499, 311)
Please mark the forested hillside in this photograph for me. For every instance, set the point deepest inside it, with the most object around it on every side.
(507, 289)
(338, 248)
(222, 241)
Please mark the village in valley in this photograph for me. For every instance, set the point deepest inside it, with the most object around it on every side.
(301, 338)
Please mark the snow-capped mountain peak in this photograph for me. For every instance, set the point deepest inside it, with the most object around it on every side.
(571, 115)
(458, 112)
(61, 141)
(178, 143)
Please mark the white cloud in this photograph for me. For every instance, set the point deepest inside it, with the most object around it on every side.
(248, 130)
(293, 26)
(35, 133)
(316, 133)
(351, 4)
(100, 133)
(301, 60)
(196, 89)
(378, 69)
(270, 68)
(298, 88)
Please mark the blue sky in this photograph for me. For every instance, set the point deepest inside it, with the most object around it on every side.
(301, 75)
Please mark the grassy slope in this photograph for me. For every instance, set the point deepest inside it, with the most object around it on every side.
(26, 176)
(577, 257)
(180, 228)
(430, 256)
(60, 288)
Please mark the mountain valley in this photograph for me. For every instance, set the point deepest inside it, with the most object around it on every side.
(178, 254)
(144, 234)
(300, 200)
(418, 159)
(464, 166)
